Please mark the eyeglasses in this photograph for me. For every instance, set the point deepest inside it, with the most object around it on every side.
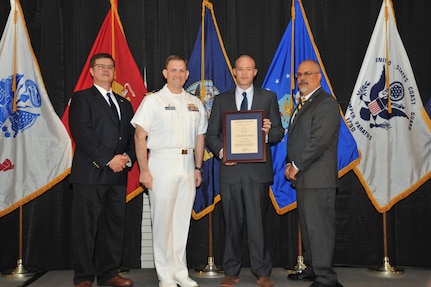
(305, 74)
(103, 67)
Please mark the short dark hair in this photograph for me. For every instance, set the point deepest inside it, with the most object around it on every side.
(175, 58)
(100, 56)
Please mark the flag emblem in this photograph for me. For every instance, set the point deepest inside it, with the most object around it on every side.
(28, 99)
(210, 92)
(6, 165)
(374, 104)
(286, 104)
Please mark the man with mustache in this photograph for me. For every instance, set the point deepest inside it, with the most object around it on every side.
(312, 167)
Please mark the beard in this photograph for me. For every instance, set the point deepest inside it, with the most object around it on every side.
(303, 88)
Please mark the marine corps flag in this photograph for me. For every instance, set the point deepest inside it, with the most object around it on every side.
(36, 152)
(296, 46)
(128, 81)
(388, 120)
(210, 75)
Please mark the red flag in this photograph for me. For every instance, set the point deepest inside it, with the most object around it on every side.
(128, 81)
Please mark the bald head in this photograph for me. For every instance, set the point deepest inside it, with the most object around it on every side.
(308, 76)
(245, 71)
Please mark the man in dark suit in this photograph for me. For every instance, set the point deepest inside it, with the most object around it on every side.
(104, 150)
(312, 166)
(244, 187)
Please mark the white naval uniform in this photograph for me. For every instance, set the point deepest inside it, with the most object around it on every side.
(172, 122)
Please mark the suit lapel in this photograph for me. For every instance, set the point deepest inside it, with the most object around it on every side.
(231, 101)
(256, 103)
(105, 106)
(304, 107)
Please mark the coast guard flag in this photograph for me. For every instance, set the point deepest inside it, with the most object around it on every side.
(296, 46)
(36, 152)
(388, 120)
(210, 75)
(128, 81)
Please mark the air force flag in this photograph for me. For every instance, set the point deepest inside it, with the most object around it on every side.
(296, 46)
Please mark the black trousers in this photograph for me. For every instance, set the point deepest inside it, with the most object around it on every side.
(245, 202)
(316, 211)
(97, 230)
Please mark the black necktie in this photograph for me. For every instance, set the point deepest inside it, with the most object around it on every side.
(244, 103)
(112, 105)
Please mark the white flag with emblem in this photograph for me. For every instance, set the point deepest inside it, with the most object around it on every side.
(36, 151)
(388, 120)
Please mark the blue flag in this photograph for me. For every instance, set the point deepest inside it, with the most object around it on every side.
(428, 107)
(208, 78)
(296, 46)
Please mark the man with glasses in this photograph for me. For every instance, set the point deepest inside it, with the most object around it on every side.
(312, 167)
(104, 151)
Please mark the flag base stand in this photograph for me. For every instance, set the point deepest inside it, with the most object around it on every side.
(210, 270)
(19, 272)
(299, 267)
(386, 269)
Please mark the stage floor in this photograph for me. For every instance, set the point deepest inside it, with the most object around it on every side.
(349, 277)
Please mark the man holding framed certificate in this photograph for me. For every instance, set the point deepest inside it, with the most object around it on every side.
(244, 122)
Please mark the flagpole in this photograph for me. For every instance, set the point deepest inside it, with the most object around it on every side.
(202, 85)
(292, 49)
(387, 83)
(211, 269)
(300, 266)
(386, 269)
(19, 272)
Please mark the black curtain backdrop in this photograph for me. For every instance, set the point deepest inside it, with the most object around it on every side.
(62, 33)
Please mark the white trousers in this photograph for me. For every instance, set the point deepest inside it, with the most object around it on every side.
(171, 201)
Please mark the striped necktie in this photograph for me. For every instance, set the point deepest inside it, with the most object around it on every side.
(298, 107)
(244, 103)
(301, 103)
(112, 105)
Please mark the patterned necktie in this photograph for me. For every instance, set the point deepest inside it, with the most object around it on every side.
(112, 105)
(244, 103)
(298, 107)
(301, 103)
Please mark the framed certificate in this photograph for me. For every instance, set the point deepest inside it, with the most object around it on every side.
(243, 138)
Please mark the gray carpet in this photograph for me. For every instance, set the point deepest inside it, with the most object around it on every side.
(349, 277)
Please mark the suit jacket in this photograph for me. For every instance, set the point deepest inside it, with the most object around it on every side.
(261, 172)
(313, 140)
(98, 136)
